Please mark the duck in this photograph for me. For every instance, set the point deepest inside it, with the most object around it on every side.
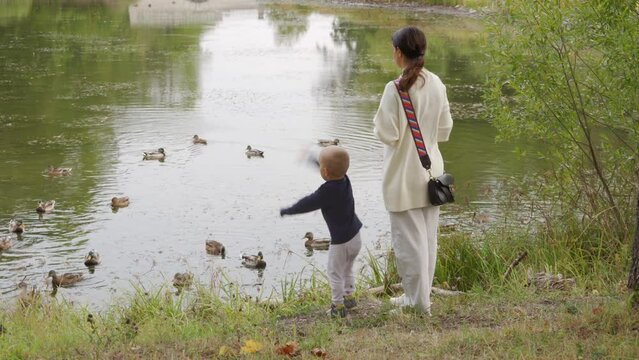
(182, 280)
(118, 202)
(316, 244)
(154, 154)
(5, 244)
(65, 280)
(481, 218)
(92, 259)
(326, 142)
(253, 152)
(254, 261)
(27, 297)
(16, 226)
(199, 140)
(215, 248)
(45, 207)
(58, 171)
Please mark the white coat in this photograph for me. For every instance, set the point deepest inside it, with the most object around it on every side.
(404, 179)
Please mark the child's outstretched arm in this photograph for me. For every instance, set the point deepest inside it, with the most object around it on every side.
(309, 203)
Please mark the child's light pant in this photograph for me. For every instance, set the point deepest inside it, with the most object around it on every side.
(414, 239)
(341, 258)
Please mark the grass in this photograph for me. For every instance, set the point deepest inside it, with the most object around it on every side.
(509, 324)
(496, 318)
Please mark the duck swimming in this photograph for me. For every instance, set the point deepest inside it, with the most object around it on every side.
(254, 261)
(199, 140)
(5, 244)
(92, 258)
(45, 207)
(325, 142)
(58, 171)
(316, 244)
(118, 202)
(215, 248)
(154, 155)
(250, 152)
(65, 280)
(16, 226)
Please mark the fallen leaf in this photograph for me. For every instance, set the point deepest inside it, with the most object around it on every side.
(251, 347)
(597, 310)
(319, 352)
(224, 350)
(290, 349)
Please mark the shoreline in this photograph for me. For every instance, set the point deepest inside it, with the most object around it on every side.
(457, 10)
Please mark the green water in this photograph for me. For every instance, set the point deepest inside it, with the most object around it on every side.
(92, 84)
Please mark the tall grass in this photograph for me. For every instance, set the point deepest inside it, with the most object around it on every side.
(467, 261)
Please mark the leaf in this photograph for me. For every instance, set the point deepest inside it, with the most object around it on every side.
(224, 350)
(251, 347)
(319, 352)
(597, 311)
(290, 349)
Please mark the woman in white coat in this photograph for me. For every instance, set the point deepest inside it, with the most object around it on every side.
(414, 221)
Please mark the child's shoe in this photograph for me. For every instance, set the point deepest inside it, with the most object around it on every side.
(338, 310)
(349, 301)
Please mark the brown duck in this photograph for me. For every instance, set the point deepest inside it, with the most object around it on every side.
(92, 258)
(65, 280)
(5, 244)
(118, 202)
(199, 140)
(215, 248)
(316, 244)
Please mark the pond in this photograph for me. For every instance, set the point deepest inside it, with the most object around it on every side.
(92, 84)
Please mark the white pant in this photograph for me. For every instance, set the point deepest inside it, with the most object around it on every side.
(414, 239)
(341, 259)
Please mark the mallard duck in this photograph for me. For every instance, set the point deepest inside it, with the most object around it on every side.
(326, 142)
(92, 258)
(215, 248)
(27, 297)
(155, 154)
(66, 279)
(199, 140)
(253, 152)
(254, 261)
(316, 244)
(5, 244)
(182, 280)
(45, 207)
(16, 226)
(118, 202)
(58, 171)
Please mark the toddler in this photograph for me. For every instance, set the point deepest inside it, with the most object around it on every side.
(335, 199)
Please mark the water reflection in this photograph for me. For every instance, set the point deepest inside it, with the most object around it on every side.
(91, 87)
(12, 11)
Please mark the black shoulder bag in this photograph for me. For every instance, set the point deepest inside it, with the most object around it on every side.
(440, 189)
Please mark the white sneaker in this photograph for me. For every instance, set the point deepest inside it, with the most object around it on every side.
(398, 301)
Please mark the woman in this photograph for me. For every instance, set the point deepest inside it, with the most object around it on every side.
(413, 220)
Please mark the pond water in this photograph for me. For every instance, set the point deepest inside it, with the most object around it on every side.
(92, 84)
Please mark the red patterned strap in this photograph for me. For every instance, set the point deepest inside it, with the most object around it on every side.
(409, 110)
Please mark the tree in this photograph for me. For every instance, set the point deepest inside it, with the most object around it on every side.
(565, 76)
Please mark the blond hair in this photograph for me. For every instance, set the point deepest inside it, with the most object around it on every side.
(336, 160)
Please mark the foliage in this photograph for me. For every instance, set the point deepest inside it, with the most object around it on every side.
(565, 77)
